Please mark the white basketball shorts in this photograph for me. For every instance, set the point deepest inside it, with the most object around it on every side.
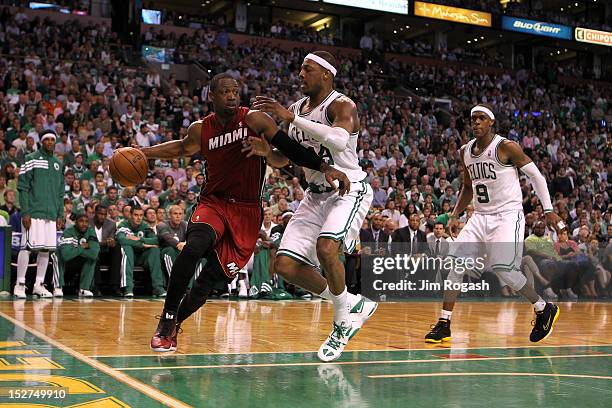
(326, 215)
(41, 235)
(495, 238)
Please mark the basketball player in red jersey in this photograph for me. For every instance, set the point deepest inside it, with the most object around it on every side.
(224, 226)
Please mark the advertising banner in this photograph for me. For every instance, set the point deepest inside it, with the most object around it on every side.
(455, 14)
(536, 27)
(593, 36)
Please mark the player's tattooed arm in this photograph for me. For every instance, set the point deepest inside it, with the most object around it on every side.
(466, 193)
(335, 137)
(511, 152)
(343, 114)
(188, 146)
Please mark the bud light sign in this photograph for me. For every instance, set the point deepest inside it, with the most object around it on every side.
(536, 27)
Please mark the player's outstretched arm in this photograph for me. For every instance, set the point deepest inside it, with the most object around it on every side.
(465, 194)
(188, 146)
(512, 152)
(336, 137)
(264, 125)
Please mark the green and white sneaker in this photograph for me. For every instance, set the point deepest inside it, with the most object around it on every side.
(360, 313)
(332, 348)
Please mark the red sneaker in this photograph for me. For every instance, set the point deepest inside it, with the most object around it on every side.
(164, 339)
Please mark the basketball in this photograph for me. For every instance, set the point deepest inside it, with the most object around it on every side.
(128, 166)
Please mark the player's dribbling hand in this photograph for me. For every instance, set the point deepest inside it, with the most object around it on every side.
(269, 105)
(344, 184)
(256, 146)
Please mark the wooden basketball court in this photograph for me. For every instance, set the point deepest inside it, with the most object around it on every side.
(263, 354)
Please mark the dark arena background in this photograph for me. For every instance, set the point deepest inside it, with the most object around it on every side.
(86, 263)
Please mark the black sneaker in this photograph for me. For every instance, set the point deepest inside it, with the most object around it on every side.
(439, 332)
(544, 322)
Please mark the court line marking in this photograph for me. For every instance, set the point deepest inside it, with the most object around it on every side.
(436, 360)
(433, 348)
(596, 377)
(111, 372)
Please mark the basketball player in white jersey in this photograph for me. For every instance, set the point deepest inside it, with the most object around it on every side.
(491, 177)
(325, 222)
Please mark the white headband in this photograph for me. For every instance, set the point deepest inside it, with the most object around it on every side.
(483, 109)
(46, 135)
(321, 62)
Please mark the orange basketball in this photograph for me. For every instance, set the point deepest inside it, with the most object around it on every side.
(128, 166)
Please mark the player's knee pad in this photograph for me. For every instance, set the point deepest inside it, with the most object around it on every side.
(193, 249)
(513, 278)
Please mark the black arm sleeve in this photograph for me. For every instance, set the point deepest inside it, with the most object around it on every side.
(295, 152)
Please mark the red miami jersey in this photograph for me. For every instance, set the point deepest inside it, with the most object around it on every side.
(229, 173)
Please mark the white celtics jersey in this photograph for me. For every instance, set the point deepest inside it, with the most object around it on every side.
(345, 160)
(495, 185)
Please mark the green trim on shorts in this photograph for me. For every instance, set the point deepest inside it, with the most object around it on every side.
(511, 265)
(295, 256)
(354, 211)
(352, 248)
(38, 248)
(508, 267)
(330, 236)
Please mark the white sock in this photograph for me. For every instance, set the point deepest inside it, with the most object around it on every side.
(539, 305)
(22, 265)
(42, 261)
(326, 294)
(341, 307)
(352, 299)
(446, 314)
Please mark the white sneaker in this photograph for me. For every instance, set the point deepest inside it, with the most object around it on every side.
(85, 293)
(41, 291)
(360, 313)
(129, 295)
(550, 294)
(19, 291)
(332, 348)
(58, 292)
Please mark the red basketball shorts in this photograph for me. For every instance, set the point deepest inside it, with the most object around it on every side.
(237, 228)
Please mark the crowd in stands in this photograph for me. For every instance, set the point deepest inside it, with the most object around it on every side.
(73, 79)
